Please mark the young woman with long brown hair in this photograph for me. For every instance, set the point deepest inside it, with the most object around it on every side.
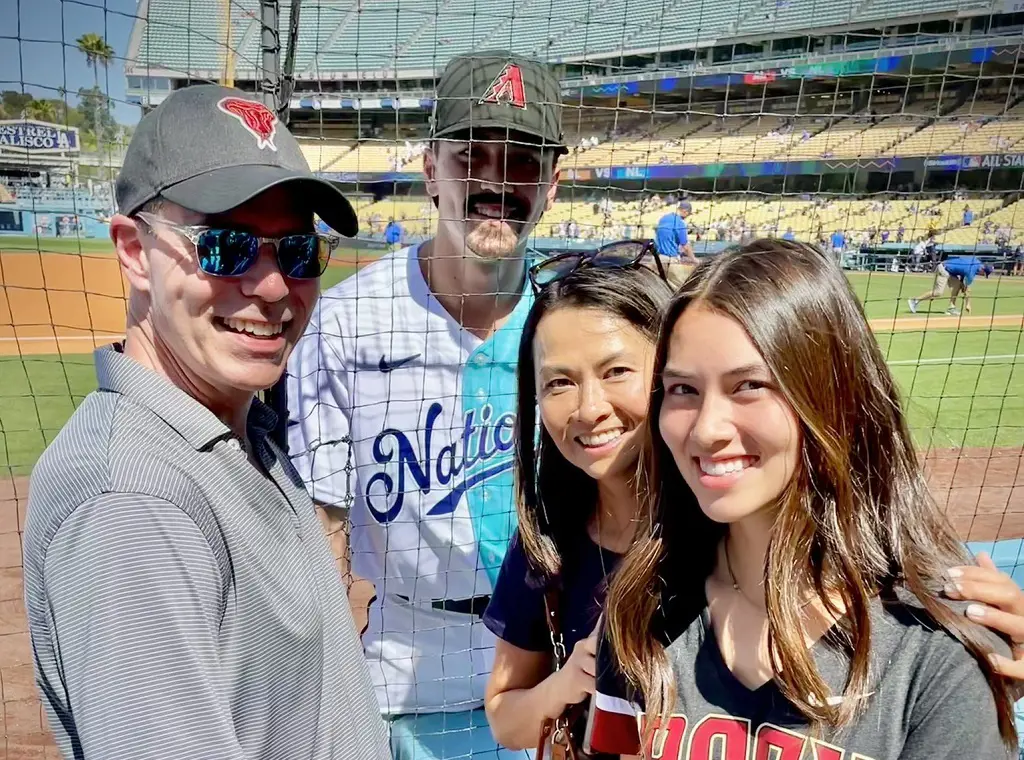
(783, 592)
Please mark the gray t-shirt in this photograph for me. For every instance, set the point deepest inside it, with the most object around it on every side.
(928, 700)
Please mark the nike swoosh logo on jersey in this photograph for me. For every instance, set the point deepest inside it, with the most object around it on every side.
(386, 366)
(447, 505)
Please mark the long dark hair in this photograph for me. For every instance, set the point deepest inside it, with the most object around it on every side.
(555, 498)
(855, 522)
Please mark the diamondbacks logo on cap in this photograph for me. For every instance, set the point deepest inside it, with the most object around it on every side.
(255, 117)
(507, 88)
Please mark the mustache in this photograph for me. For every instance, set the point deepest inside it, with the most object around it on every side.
(512, 207)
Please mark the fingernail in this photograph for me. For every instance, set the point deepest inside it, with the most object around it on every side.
(952, 589)
(975, 611)
(954, 572)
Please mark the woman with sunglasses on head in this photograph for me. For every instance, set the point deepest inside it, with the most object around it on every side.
(585, 365)
(782, 594)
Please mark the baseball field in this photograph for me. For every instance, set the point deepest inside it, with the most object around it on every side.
(962, 381)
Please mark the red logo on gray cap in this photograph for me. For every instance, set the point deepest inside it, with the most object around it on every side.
(507, 88)
(255, 117)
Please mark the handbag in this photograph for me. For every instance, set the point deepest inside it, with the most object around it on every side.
(556, 739)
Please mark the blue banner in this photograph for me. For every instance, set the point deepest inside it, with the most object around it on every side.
(605, 174)
(38, 137)
(962, 163)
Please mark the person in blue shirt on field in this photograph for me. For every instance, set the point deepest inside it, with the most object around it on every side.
(957, 273)
(838, 242)
(393, 234)
(671, 235)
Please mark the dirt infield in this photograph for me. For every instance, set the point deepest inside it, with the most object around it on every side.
(906, 324)
(66, 303)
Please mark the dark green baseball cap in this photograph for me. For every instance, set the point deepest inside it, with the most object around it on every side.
(497, 89)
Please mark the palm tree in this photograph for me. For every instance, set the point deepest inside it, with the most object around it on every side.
(97, 52)
(41, 110)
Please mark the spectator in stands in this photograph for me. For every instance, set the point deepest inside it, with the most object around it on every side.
(968, 216)
(182, 599)
(789, 234)
(671, 235)
(885, 236)
(901, 231)
(957, 273)
(421, 343)
(393, 235)
(1002, 239)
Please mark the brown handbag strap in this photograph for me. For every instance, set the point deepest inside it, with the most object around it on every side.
(552, 614)
(553, 619)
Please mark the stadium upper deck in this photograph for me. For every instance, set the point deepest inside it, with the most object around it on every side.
(929, 127)
(382, 39)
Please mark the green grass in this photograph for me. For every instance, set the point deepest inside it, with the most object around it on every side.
(953, 398)
(885, 295)
(29, 244)
(961, 388)
(37, 395)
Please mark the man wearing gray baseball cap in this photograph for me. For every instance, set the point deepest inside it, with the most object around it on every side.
(182, 598)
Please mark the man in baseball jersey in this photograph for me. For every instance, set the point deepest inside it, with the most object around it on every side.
(402, 398)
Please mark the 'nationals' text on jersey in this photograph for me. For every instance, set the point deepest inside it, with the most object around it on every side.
(482, 440)
(398, 412)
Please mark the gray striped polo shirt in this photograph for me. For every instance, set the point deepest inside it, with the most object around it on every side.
(182, 603)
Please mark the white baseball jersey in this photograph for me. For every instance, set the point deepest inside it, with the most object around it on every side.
(401, 414)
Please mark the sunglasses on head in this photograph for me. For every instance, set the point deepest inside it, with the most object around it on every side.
(624, 254)
(231, 253)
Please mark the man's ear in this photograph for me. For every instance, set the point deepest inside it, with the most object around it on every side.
(131, 253)
(552, 190)
(430, 172)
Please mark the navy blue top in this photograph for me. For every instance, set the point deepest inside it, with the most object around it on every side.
(516, 610)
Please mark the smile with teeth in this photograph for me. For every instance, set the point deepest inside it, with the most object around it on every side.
(721, 467)
(602, 438)
(261, 329)
(495, 212)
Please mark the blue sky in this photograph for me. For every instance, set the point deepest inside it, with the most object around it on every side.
(38, 53)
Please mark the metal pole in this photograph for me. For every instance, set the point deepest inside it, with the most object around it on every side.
(270, 88)
(288, 73)
(270, 52)
(229, 54)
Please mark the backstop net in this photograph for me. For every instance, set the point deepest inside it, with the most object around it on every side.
(890, 134)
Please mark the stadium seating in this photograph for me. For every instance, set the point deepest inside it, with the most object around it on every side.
(1009, 217)
(386, 35)
(323, 154)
